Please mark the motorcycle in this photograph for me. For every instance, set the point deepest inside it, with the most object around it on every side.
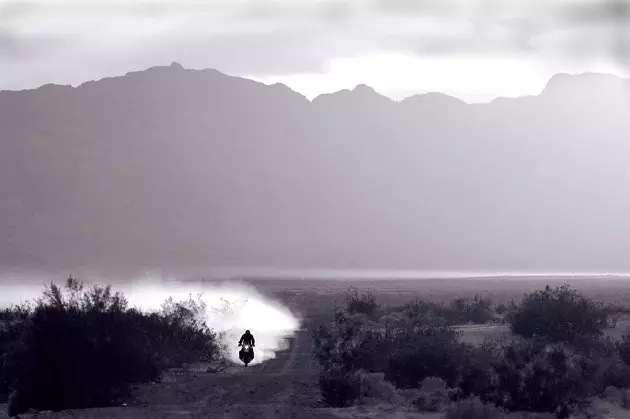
(246, 354)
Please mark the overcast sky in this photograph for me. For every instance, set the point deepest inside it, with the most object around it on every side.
(472, 49)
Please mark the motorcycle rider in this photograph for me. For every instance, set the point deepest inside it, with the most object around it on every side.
(247, 338)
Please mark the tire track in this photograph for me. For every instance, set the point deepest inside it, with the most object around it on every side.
(293, 355)
(285, 386)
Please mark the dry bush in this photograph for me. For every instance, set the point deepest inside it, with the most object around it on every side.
(558, 314)
(433, 396)
(374, 388)
(83, 348)
(339, 387)
(473, 408)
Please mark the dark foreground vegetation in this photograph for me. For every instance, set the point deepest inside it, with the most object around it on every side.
(76, 347)
(556, 361)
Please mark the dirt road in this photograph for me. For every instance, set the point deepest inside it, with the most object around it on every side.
(276, 388)
(284, 387)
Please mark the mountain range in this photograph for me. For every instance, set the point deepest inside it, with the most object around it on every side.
(171, 167)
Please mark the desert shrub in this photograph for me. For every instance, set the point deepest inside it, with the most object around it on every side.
(353, 341)
(473, 408)
(501, 308)
(476, 374)
(339, 387)
(534, 375)
(421, 311)
(77, 355)
(613, 394)
(408, 344)
(324, 344)
(596, 346)
(429, 351)
(400, 344)
(530, 375)
(559, 314)
(13, 321)
(433, 384)
(373, 350)
(459, 311)
(552, 372)
(433, 395)
(429, 402)
(610, 371)
(620, 397)
(604, 358)
(373, 386)
(361, 303)
(337, 343)
(511, 309)
(469, 310)
(14, 313)
(624, 346)
(82, 348)
(185, 337)
(540, 377)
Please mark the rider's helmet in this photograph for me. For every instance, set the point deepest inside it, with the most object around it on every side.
(247, 332)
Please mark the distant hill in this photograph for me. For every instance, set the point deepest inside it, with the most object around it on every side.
(172, 167)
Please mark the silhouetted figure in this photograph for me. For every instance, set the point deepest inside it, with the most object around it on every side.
(246, 354)
(247, 338)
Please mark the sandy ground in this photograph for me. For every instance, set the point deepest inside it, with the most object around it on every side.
(476, 333)
(285, 387)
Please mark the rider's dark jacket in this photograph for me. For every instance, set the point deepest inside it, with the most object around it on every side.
(247, 338)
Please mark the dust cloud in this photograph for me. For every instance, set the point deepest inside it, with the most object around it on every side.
(231, 307)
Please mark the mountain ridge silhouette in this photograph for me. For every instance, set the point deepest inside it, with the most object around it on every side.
(172, 167)
(359, 87)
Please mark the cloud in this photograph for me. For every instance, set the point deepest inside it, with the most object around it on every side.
(19, 48)
(599, 28)
(508, 37)
(232, 308)
(603, 12)
(7, 43)
(266, 52)
(40, 39)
